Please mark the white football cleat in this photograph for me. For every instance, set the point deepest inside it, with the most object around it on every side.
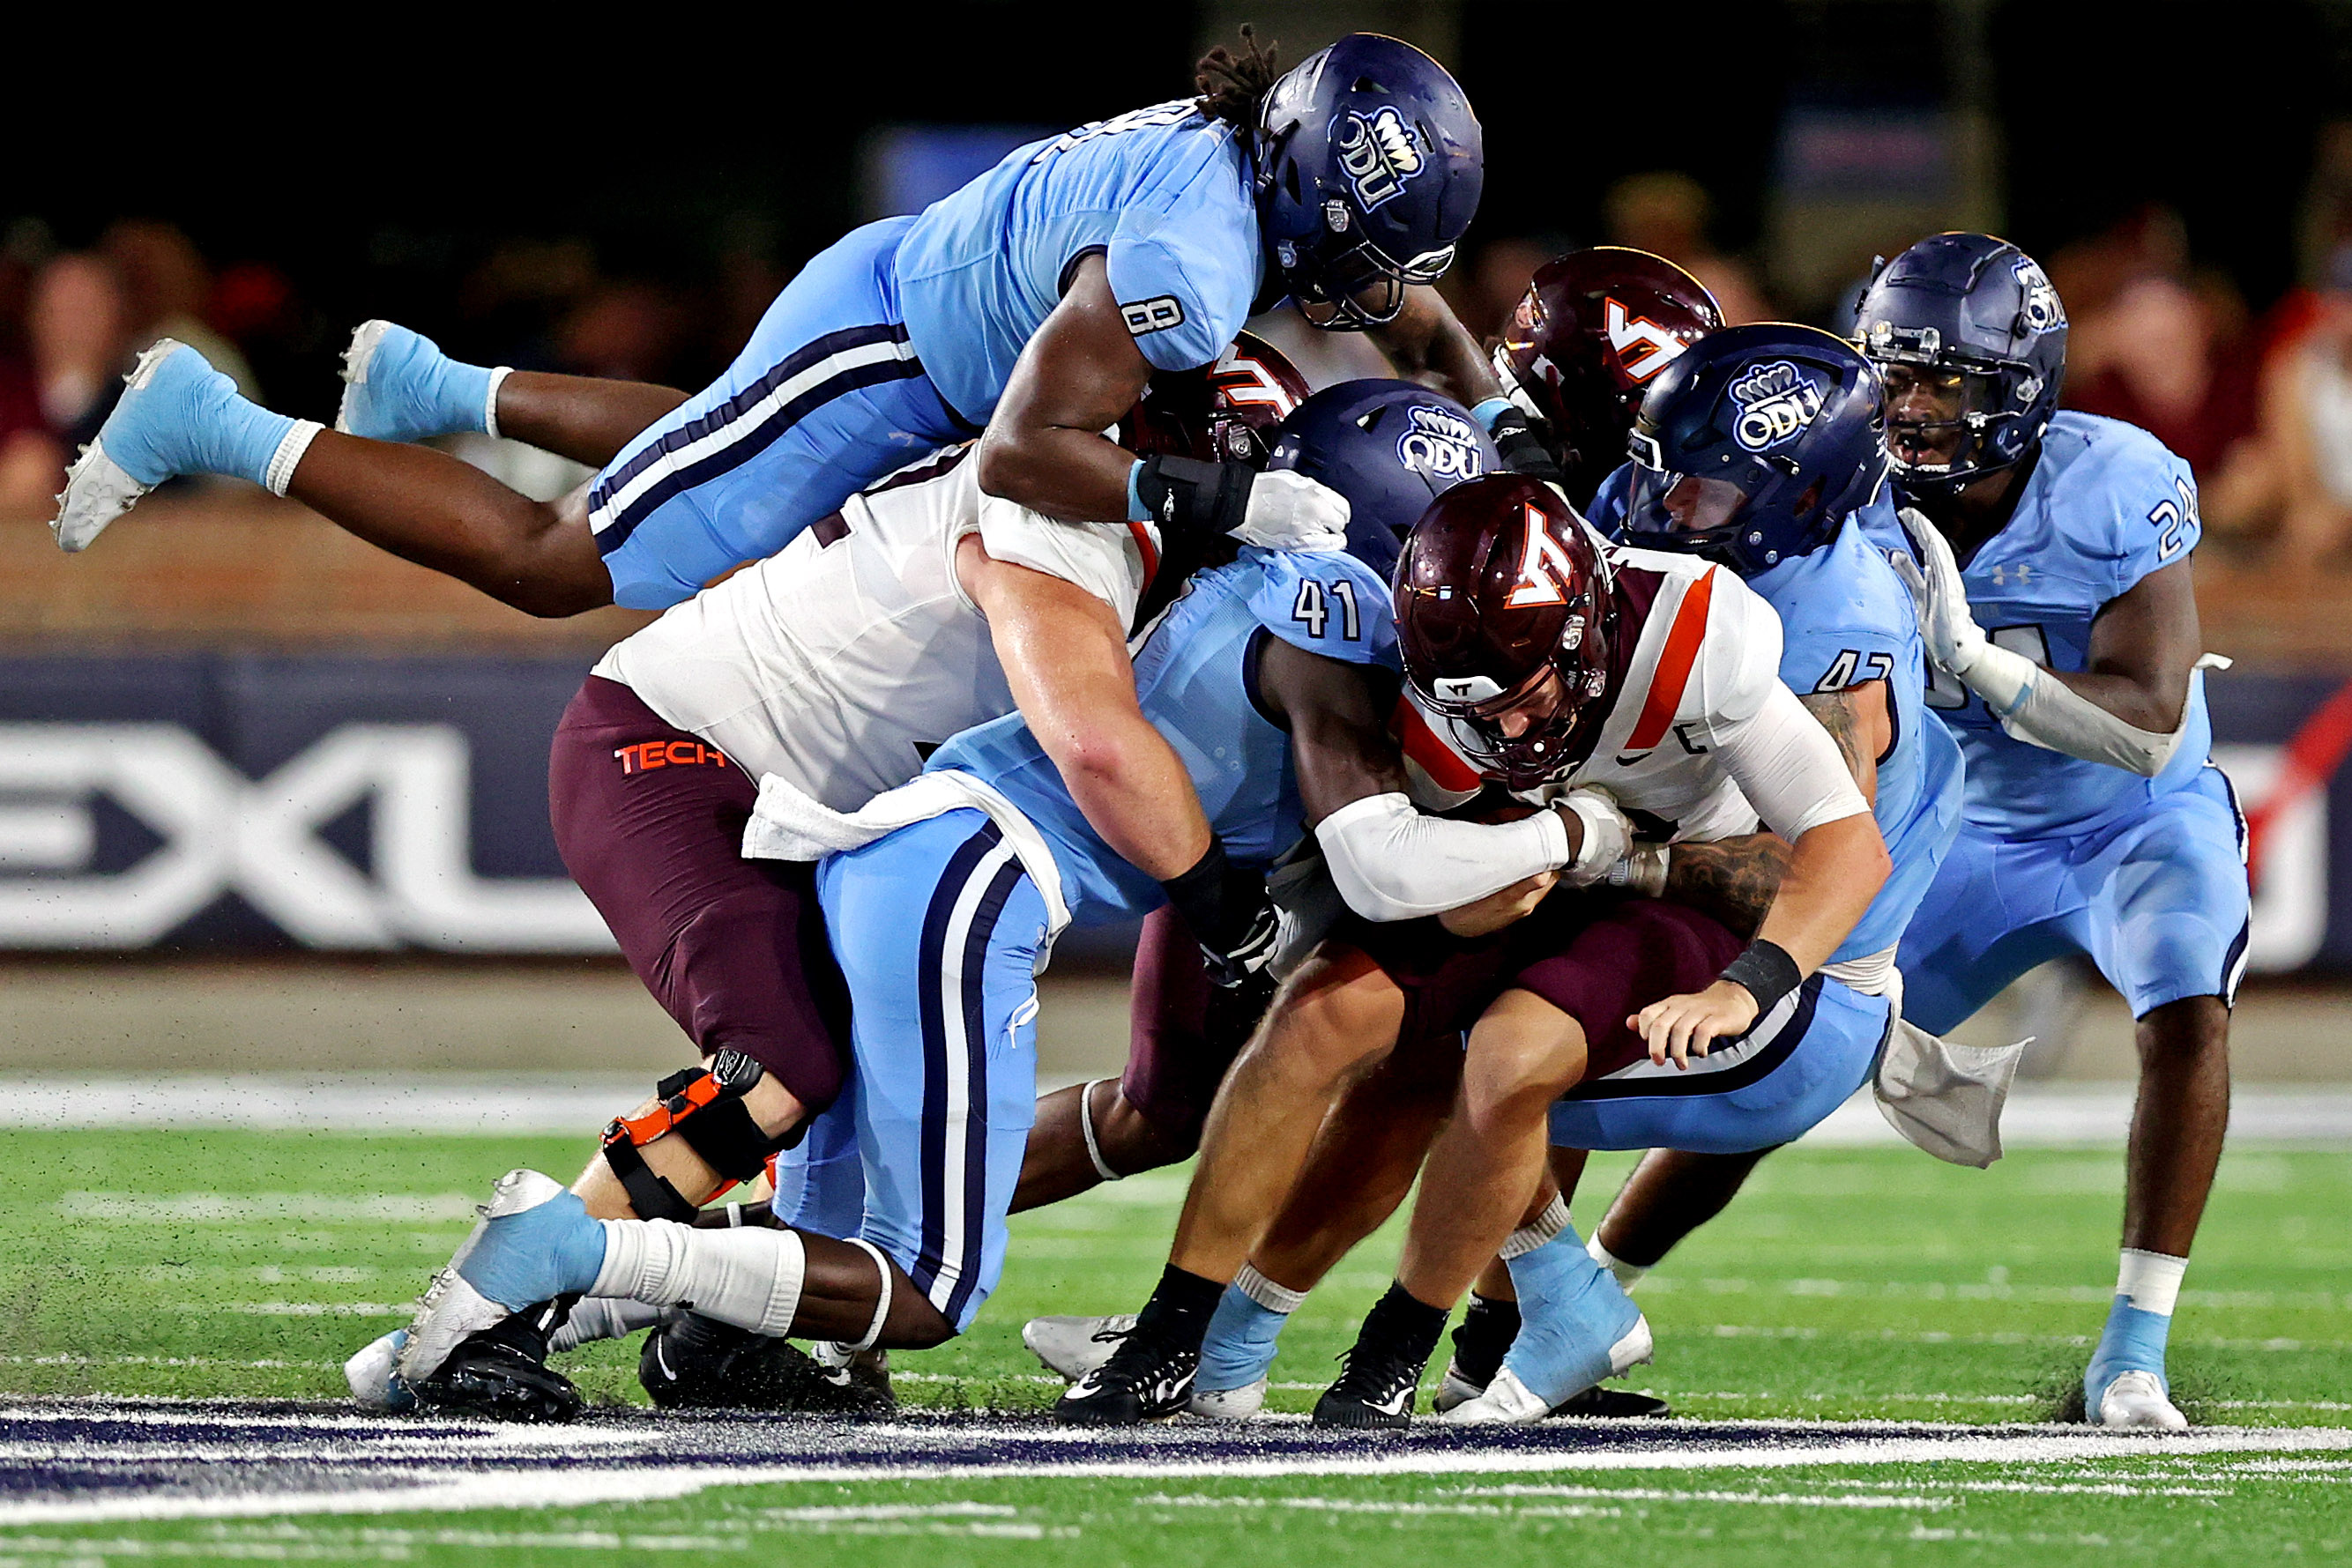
(1072, 1348)
(1454, 1390)
(374, 1376)
(1241, 1404)
(1508, 1401)
(2136, 1401)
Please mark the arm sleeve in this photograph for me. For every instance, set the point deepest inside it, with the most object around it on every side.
(1392, 862)
(1789, 768)
(1096, 557)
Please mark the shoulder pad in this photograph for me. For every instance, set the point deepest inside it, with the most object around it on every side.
(1331, 604)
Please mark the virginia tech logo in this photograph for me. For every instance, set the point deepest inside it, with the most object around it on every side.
(1441, 443)
(1643, 346)
(1378, 154)
(1776, 401)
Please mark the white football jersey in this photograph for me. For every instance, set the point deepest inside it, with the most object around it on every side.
(843, 660)
(1706, 657)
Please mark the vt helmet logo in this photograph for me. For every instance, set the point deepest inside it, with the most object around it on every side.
(1653, 347)
(1441, 445)
(1546, 573)
(1377, 153)
(1776, 400)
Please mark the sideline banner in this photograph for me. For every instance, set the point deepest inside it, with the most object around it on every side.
(224, 801)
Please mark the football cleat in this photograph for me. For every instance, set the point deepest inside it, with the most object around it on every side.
(2138, 1401)
(1149, 1377)
(1241, 1404)
(1511, 1401)
(1481, 1340)
(502, 1371)
(1375, 1388)
(1072, 1348)
(694, 1362)
(399, 386)
(375, 1376)
(1613, 1404)
(166, 396)
(533, 1243)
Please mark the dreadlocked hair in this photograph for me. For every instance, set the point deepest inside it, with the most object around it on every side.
(1232, 85)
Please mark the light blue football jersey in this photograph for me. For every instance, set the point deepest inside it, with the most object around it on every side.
(1163, 193)
(1846, 619)
(2106, 504)
(1196, 676)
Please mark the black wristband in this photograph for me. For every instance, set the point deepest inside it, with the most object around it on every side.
(1523, 451)
(1187, 496)
(1766, 971)
(1201, 896)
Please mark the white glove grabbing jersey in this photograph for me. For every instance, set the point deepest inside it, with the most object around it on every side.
(1289, 511)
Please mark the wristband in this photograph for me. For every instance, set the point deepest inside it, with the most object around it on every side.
(1187, 496)
(1489, 410)
(1766, 972)
(1202, 896)
(2002, 677)
(1522, 450)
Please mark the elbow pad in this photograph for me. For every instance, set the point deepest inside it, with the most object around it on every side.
(1392, 862)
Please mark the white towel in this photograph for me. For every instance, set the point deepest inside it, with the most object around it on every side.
(1944, 1098)
(788, 824)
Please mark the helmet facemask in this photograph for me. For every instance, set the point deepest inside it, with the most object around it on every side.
(1952, 417)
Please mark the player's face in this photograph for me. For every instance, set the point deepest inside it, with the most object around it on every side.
(1924, 405)
(1693, 505)
(1536, 705)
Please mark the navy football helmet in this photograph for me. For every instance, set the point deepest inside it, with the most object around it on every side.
(1753, 447)
(1369, 165)
(1391, 448)
(1970, 340)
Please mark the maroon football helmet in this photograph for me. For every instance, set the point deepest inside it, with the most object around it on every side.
(1506, 614)
(1593, 329)
(1223, 413)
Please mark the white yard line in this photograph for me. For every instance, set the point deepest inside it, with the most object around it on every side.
(521, 1104)
(1850, 1444)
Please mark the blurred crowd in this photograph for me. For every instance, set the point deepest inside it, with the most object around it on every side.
(2260, 402)
(73, 318)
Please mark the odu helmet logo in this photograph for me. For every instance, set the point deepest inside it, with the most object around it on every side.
(1440, 444)
(2041, 311)
(1776, 401)
(1378, 154)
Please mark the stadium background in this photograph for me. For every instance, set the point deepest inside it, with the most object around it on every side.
(273, 802)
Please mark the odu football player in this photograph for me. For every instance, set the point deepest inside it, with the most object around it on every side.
(2053, 563)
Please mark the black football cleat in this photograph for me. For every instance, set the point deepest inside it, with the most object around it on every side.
(1375, 1388)
(1614, 1405)
(1148, 1379)
(693, 1363)
(502, 1371)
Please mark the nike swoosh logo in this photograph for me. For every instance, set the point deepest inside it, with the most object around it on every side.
(662, 1362)
(1629, 761)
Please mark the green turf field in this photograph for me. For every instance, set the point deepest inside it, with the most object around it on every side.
(1848, 1284)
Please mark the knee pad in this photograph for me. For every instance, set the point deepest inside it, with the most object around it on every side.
(703, 1105)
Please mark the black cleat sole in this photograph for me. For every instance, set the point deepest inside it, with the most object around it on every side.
(1615, 1405)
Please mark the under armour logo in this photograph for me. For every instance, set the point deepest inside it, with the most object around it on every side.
(2002, 575)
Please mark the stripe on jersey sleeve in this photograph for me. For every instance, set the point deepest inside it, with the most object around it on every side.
(1675, 662)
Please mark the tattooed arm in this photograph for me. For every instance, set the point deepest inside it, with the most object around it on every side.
(1734, 878)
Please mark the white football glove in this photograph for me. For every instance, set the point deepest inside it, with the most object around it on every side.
(1607, 836)
(1289, 511)
(1955, 642)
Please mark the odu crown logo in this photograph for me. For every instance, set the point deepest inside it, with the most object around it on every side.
(1378, 155)
(1441, 445)
(1776, 401)
(2041, 312)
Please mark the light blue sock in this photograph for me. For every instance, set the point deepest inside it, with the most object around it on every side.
(186, 417)
(1571, 1313)
(1240, 1344)
(2133, 1341)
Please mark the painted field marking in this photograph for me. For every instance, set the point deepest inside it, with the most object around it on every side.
(422, 1488)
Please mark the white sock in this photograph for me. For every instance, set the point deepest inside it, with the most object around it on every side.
(751, 1278)
(596, 1317)
(2150, 1280)
(1274, 1298)
(498, 374)
(289, 456)
(1534, 1234)
(1628, 1274)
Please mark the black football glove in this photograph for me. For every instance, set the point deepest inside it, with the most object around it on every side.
(1230, 914)
(1523, 448)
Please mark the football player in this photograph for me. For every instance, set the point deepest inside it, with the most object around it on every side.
(2052, 556)
(941, 899)
(1033, 304)
(1639, 681)
(1588, 338)
(1760, 448)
